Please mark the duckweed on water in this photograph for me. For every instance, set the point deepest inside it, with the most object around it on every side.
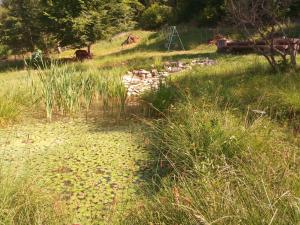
(95, 171)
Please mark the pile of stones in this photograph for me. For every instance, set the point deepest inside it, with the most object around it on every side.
(140, 81)
(203, 62)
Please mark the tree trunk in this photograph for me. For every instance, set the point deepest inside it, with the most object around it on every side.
(89, 49)
(59, 50)
(271, 62)
(293, 53)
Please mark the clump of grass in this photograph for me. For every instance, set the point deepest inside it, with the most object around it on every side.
(111, 90)
(158, 63)
(9, 111)
(22, 203)
(60, 89)
(221, 168)
(13, 102)
(224, 163)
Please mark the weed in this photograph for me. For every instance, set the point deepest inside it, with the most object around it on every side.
(22, 203)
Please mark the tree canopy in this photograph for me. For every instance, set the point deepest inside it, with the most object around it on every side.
(20, 27)
(29, 24)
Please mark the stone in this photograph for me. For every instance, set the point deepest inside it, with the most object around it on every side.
(139, 81)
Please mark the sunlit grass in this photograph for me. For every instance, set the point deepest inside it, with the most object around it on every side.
(226, 135)
(65, 89)
(220, 168)
(22, 202)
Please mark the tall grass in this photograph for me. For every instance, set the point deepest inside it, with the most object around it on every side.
(8, 111)
(221, 169)
(21, 203)
(67, 90)
(222, 161)
(14, 101)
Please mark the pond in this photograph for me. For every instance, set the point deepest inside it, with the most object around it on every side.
(96, 170)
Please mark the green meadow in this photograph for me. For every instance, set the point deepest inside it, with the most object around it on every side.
(214, 145)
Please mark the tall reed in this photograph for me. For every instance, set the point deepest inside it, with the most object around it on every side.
(66, 89)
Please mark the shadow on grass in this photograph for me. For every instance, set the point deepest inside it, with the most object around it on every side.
(8, 65)
(191, 38)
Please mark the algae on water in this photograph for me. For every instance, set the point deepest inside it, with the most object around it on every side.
(96, 171)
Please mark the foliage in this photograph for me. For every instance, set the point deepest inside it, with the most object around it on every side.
(294, 9)
(221, 167)
(155, 16)
(85, 22)
(20, 27)
(4, 51)
(268, 20)
(222, 158)
(206, 12)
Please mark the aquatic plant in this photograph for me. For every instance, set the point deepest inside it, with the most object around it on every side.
(66, 89)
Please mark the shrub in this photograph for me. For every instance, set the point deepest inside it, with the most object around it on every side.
(4, 51)
(155, 16)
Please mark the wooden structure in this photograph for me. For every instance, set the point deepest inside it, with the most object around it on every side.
(281, 44)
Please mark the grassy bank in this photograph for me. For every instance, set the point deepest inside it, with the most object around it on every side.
(225, 137)
(221, 169)
(229, 147)
(242, 83)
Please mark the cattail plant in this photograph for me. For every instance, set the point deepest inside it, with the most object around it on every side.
(66, 89)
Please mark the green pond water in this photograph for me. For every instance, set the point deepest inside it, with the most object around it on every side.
(97, 170)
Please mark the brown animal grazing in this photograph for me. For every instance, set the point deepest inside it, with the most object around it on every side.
(82, 55)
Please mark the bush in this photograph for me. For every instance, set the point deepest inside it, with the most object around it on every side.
(155, 16)
(4, 51)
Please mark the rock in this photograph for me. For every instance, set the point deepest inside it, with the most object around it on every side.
(139, 81)
(154, 72)
(164, 74)
(203, 62)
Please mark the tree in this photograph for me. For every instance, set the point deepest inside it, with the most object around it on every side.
(80, 23)
(295, 9)
(268, 20)
(211, 12)
(19, 25)
(155, 16)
